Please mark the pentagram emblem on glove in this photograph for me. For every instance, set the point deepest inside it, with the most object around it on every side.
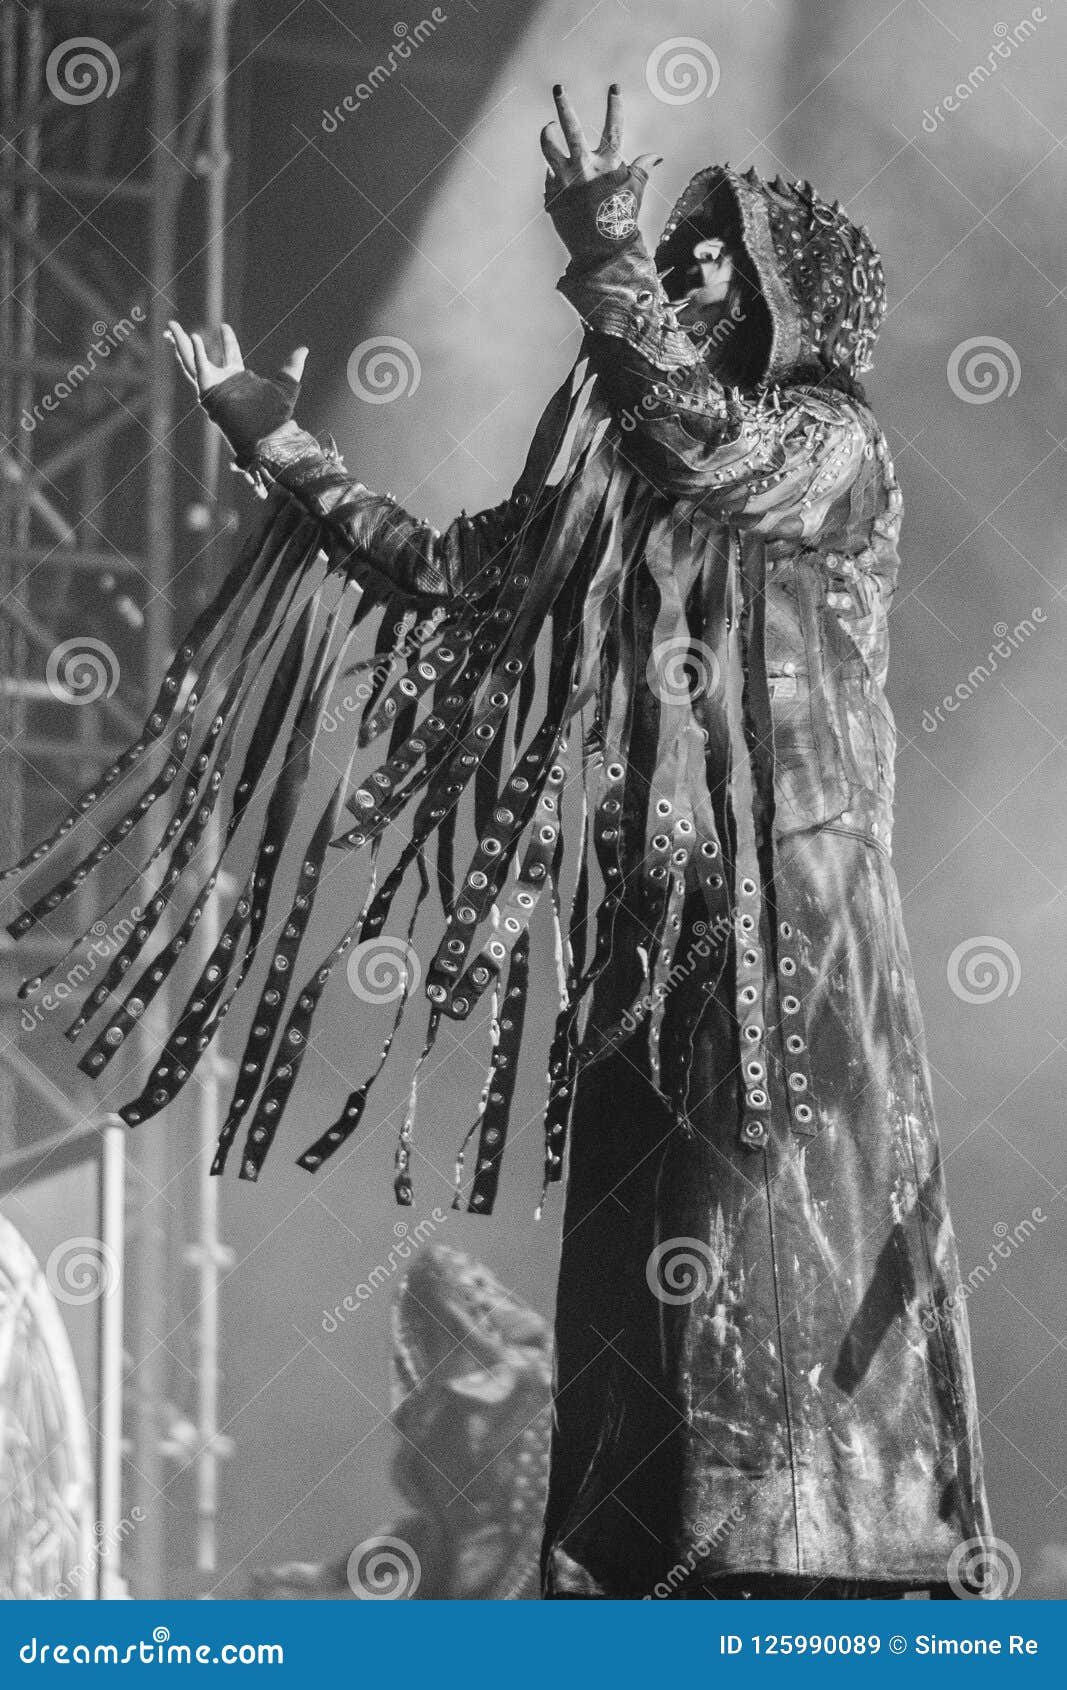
(616, 217)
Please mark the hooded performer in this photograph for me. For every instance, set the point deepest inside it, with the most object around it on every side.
(658, 669)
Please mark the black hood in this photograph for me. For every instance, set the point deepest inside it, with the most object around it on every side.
(818, 273)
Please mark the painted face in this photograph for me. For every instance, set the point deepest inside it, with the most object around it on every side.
(716, 301)
(709, 286)
(711, 272)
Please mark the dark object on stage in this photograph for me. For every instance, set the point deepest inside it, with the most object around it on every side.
(471, 1404)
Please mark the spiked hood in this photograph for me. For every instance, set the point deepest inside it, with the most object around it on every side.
(819, 274)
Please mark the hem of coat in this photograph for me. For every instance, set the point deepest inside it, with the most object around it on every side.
(574, 1581)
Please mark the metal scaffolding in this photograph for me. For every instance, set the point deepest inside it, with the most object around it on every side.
(113, 122)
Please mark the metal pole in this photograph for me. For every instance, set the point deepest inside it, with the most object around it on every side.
(209, 1257)
(151, 1310)
(110, 1582)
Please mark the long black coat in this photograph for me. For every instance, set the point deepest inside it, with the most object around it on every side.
(757, 1372)
(759, 1366)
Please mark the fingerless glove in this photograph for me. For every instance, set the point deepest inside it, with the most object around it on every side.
(599, 218)
(246, 407)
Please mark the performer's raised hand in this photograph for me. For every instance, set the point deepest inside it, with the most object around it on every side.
(193, 359)
(593, 197)
(246, 407)
(570, 159)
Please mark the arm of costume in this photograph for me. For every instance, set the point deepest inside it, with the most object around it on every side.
(380, 544)
(366, 535)
(772, 463)
(216, 804)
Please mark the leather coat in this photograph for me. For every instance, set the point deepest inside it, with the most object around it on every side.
(687, 592)
(756, 1380)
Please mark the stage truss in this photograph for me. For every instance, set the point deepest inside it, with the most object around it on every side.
(113, 139)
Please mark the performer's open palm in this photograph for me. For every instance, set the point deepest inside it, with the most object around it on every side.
(205, 373)
(261, 405)
(570, 158)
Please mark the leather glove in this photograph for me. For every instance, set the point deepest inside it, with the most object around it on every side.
(597, 219)
(246, 407)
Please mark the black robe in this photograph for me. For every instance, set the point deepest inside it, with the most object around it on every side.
(657, 672)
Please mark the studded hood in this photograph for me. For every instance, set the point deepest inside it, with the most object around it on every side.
(819, 274)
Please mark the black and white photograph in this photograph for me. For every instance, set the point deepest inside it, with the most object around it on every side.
(533, 889)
